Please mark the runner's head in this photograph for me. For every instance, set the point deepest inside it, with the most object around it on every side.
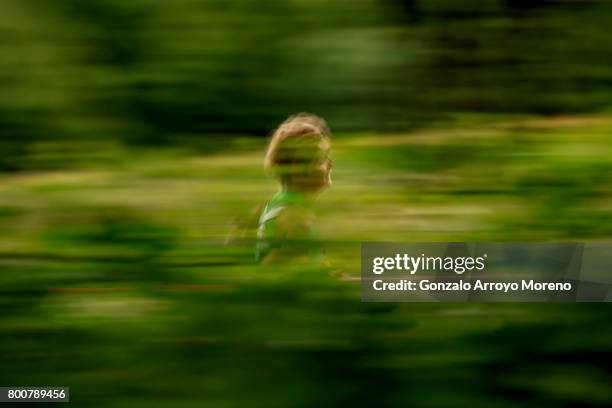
(298, 153)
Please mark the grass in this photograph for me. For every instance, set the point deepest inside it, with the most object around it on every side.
(116, 280)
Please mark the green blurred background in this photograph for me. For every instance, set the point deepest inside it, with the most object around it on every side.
(133, 134)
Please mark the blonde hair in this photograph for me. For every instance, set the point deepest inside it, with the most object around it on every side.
(297, 140)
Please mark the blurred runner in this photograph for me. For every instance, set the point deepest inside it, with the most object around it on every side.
(298, 157)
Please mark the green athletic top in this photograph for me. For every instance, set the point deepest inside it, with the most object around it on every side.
(267, 233)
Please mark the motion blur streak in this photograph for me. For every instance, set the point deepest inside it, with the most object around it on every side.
(132, 134)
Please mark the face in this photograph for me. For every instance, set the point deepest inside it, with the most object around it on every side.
(305, 165)
(315, 176)
(326, 170)
(320, 176)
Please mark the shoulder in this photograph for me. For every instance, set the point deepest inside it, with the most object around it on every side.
(294, 221)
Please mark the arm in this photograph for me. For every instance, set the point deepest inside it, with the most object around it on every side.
(293, 237)
(244, 226)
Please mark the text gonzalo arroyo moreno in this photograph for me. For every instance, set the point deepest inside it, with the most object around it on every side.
(459, 265)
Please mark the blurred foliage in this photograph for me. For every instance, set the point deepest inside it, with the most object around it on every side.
(170, 72)
(127, 149)
(116, 279)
